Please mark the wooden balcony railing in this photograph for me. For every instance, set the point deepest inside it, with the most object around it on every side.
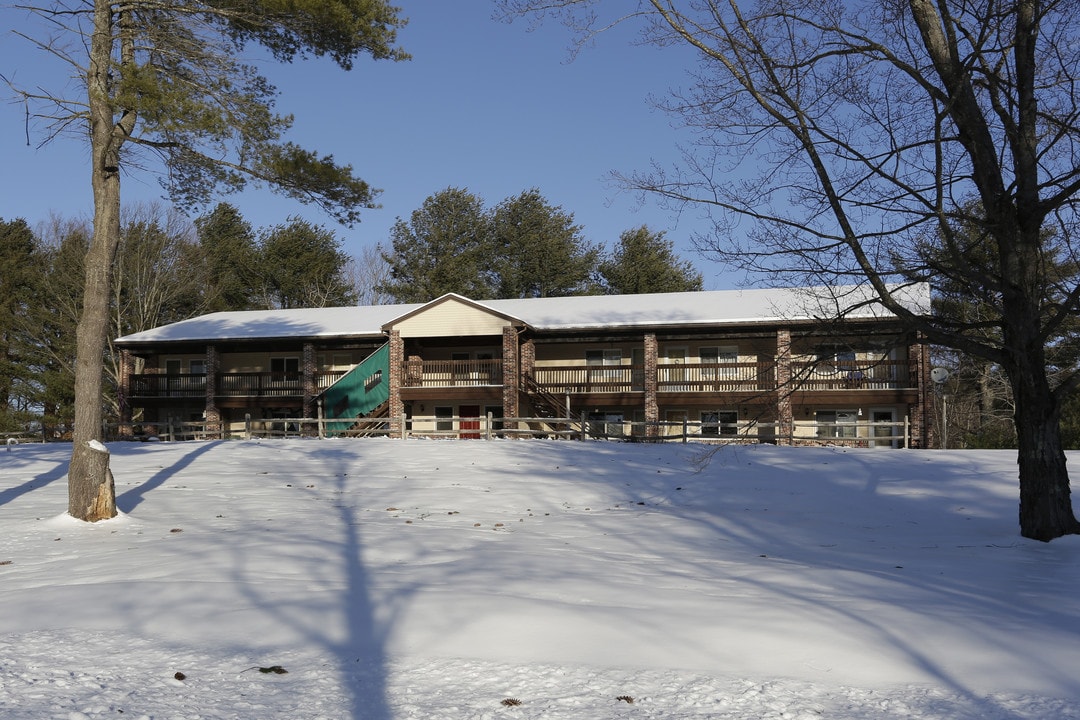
(716, 377)
(178, 386)
(571, 379)
(236, 384)
(852, 375)
(452, 373)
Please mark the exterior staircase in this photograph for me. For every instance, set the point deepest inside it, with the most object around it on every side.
(547, 405)
(375, 422)
(358, 394)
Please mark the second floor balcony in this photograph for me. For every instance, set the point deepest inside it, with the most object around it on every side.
(229, 384)
(726, 377)
(452, 373)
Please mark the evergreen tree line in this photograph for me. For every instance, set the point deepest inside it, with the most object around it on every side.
(523, 247)
(169, 269)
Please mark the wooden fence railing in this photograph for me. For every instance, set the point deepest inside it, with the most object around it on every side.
(860, 434)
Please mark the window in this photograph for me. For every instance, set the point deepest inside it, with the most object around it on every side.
(443, 419)
(835, 359)
(285, 366)
(284, 370)
(603, 357)
(717, 423)
(711, 357)
(729, 422)
(610, 359)
(606, 424)
(836, 423)
(198, 368)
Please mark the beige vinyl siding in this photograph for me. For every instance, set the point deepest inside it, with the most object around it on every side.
(575, 354)
(451, 318)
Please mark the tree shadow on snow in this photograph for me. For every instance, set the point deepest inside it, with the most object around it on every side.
(897, 534)
(10, 494)
(127, 501)
(890, 543)
(337, 616)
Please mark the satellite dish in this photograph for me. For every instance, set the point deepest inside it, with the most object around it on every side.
(939, 375)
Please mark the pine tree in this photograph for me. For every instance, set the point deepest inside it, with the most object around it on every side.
(49, 323)
(302, 265)
(230, 255)
(538, 251)
(645, 262)
(168, 78)
(20, 278)
(442, 248)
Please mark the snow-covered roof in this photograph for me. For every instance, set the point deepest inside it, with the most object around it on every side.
(693, 309)
(330, 322)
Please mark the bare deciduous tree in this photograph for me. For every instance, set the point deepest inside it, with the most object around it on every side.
(367, 273)
(835, 136)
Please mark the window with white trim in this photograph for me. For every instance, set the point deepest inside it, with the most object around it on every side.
(836, 423)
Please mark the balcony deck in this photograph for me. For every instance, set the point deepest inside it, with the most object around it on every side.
(671, 378)
(232, 385)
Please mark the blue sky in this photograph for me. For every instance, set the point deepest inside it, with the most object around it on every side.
(484, 105)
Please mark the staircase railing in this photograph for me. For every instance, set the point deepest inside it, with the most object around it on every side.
(545, 404)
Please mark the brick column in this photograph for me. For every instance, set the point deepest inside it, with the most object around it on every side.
(212, 415)
(152, 414)
(920, 413)
(511, 382)
(652, 407)
(123, 392)
(785, 420)
(308, 386)
(397, 364)
(528, 357)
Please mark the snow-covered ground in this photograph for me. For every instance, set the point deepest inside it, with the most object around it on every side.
(397, 580)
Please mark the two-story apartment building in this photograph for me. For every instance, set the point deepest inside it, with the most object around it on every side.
(805, 365)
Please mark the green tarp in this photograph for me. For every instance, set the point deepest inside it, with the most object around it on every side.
(358, 392)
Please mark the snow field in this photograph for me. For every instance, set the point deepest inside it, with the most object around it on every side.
(437, 579)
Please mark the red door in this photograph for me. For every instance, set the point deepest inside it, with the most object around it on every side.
(470, 421)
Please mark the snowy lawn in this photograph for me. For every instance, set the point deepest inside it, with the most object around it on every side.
(392, 580)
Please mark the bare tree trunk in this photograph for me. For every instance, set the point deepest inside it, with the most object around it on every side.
(1046, 510)
(91, 495)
